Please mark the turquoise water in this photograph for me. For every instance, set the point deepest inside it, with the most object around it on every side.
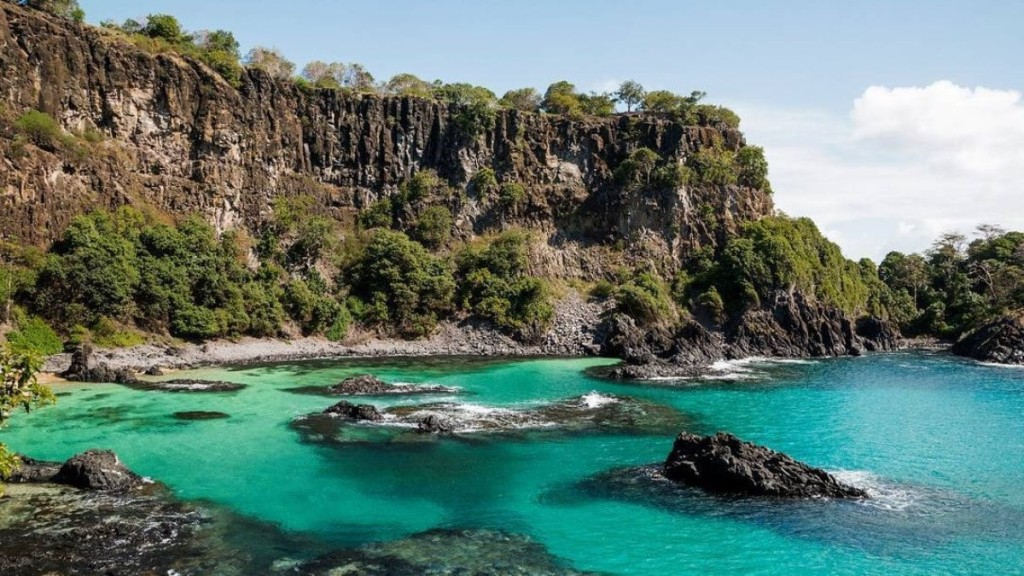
(939, 442)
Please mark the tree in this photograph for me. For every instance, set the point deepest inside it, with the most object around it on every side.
(752, 168)
(216, 41)
(406, 84)
(163, 26)
(561, 98)
(324, 75)
(271, 61)
(630, 93)
(358, 78)
(524, 99)
(595, 104)
(661, 101)
(19, 390)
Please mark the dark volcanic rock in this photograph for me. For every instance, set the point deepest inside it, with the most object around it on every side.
(31, 470)
(200, 415)
(436, 424)
(97, 470)
(369, 385)
(154, 371)
(1001, 341)
(81, 369)
(347, 409)
(185, 385)
(725, 464)
(445, 552)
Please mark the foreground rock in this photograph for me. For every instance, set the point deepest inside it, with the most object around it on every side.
(369, 385)
(592, 412)
(483, 552)
(724, 464)
(1000, 341)
(97, 470)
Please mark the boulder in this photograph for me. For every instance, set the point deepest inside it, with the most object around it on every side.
(352, 411)
(366, 384)
(435, 424)
(1000, 341)
(724, 464)
(97, 470)
(81, 369)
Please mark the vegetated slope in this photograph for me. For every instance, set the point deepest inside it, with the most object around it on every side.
(672, 220)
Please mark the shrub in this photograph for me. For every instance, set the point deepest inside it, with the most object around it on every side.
(483, 182)
(645, 298)
(39, 128)
(34, 336)
(433, 227)
(109, 334)
(512, 195)
(713, 165)
(752, 168)
(377, 215)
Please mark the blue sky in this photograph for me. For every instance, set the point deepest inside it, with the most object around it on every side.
(793, 69)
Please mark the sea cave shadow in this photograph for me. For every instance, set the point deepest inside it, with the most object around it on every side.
(898, 520)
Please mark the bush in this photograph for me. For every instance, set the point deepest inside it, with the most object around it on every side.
(108, 334)
(434, 227)
(512, 195)
(39, 128)
(483, 182)
(34, 336)
(645, 298)
(752, 168)
(713, 165)
(378, 215)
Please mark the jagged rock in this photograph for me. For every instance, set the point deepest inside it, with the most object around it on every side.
(1001, 341)
(724, 464)
(97, 470)
(347, 409)
(154, 371)
(435, 424)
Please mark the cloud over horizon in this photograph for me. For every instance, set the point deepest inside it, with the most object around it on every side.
(905, 165)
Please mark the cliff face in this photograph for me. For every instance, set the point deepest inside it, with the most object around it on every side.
(179, 140)
(1001, 341)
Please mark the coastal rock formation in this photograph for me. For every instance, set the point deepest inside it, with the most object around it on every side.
(1001, 341)
(792, 325)
(346, 409)
(185, 385)
(82, 370)
(724, 464)
(592, 412)
(369, 385)
(97, 470)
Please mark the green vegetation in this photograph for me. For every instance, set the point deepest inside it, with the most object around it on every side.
(19, 390)
(399, 285)
(957, 285)
(33, 335)
(645, 297)
(494, 285)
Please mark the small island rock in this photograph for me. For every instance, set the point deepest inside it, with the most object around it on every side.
(724, 464)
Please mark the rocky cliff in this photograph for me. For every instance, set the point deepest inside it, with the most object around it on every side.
(178, 139)
(1001, 340)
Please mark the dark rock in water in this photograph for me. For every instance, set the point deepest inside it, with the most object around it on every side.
(1000, 341)
(97, 470)
(200, 415)
(447, 552)
(31, 470)
(724, 464)
(186, 385)
(590, 413)
(347, 409)
(369, 385)
(154, 370)
(435, 424)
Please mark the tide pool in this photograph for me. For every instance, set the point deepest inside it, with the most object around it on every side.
(938, 441)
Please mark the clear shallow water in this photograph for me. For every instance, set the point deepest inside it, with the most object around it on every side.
(940, 442)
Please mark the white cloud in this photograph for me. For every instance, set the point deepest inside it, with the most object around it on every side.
(906, 165)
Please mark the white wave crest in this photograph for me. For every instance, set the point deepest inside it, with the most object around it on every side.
(880, 493)
(596, 400)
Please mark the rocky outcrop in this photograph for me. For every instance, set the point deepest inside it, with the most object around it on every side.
(369, 385)
(791, 326)
(181, 140)
(1000, 341)
(184, 385)
(82, 370)
(97, 470)
(592, 412)
(346, 409)
(724, 464)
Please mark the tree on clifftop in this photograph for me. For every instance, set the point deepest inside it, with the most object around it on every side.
(270, 60)
(630, 93)
(64, 8)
